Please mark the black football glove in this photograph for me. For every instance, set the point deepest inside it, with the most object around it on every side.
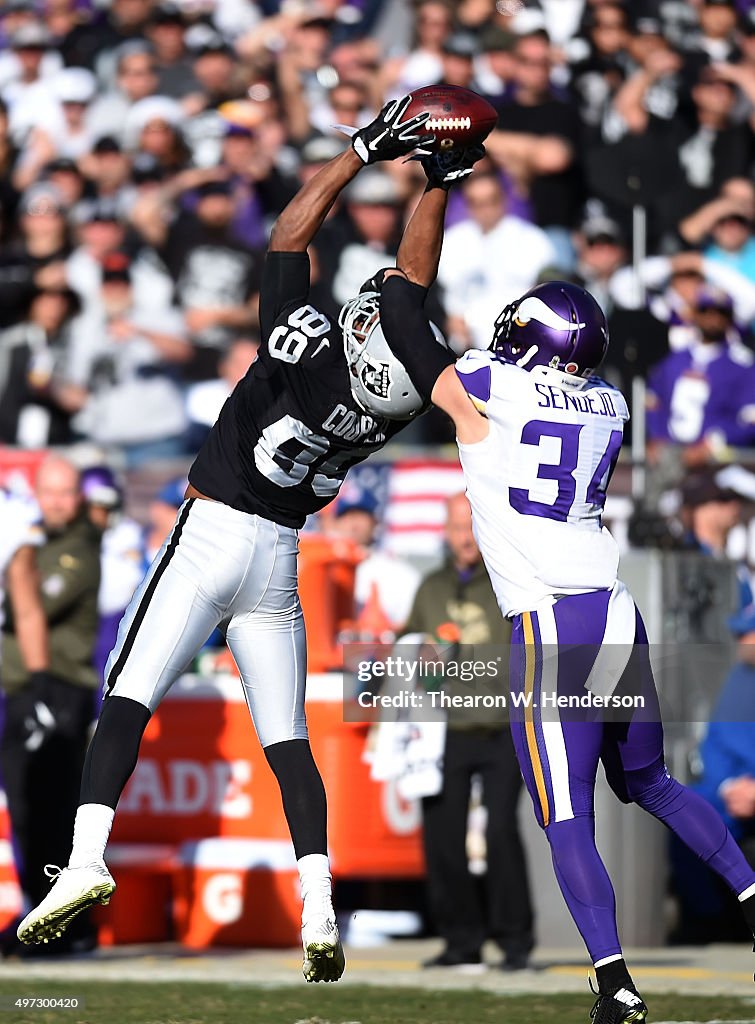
(388, 136)
(444, 170)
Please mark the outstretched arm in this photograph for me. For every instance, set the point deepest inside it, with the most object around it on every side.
(402, 314)
(419, 252)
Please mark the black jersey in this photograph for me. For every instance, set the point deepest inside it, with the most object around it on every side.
(290, 431)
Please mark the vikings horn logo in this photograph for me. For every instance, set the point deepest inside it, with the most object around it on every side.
(376, 377)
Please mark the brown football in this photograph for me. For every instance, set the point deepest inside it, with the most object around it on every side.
(458, 117)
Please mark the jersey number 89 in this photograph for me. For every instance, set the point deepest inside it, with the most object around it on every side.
(288, 341)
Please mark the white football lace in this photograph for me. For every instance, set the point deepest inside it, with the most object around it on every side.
(53, 871)
(445, 123)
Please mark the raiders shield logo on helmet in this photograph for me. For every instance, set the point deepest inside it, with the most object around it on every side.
(376, 377)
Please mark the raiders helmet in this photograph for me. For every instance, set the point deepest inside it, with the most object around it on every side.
(379, 382)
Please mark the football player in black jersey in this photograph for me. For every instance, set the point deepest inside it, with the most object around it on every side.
(319, 397)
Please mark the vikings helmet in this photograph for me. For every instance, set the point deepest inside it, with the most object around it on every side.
(556, 324)
(99, 486)
(379, 382)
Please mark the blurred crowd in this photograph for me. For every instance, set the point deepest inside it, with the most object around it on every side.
(146, 148)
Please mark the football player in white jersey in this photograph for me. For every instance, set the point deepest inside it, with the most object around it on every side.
(539, 435)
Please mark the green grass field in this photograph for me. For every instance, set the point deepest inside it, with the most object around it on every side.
(198, 1003)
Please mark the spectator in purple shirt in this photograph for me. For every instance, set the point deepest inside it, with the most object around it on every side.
(703, 396)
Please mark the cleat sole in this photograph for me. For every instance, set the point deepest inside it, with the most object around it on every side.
(323, 962)
(51, 926)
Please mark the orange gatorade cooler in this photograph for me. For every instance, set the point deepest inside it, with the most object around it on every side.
(326, 588)
(238, 892)
(141, 909)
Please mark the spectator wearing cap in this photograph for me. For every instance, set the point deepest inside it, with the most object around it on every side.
(108, 168)
(121, 568)
(259, 189)
(537, 141)
(348, 256)
(710, 509)
(161, 518)
(487, 261)
(37, 258)
(16, 14)
(494, 67)
(153, 126)
(135, 80)
(384, 585)
(124, 359)
(60, 123)
(173, 63)
(601, 251)
(28, 89)
(101, 231)
(64, 175)
(33, 358)
(703, 397)
(315, 153)
(728, 748)
(216, 70)
(458, 54)
(216, 277)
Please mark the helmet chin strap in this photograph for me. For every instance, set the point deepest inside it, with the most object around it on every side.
(528, 355)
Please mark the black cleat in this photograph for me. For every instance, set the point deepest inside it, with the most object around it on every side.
(625, 1005)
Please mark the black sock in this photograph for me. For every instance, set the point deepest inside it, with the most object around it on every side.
(613, 976)
(112, 754)
(303, 795)
(748, 909)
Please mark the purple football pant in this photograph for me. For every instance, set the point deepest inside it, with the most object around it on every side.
(553, 650)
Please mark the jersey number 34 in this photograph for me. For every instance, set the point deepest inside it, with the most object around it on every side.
(566, 504)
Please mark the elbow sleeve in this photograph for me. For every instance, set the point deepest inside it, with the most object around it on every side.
(409, 335)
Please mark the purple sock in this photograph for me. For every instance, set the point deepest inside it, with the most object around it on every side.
(585, 884)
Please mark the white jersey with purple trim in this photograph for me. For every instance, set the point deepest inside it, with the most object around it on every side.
(537, 483)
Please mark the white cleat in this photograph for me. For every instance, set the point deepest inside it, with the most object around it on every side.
(323, 952)
(74, 890)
